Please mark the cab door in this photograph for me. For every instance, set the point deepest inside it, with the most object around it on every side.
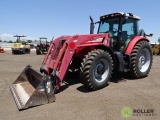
(129, 30)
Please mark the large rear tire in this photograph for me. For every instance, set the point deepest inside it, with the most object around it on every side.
(141, 60)
(96, 69)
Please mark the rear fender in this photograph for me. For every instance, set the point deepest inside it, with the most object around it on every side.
(133, 42)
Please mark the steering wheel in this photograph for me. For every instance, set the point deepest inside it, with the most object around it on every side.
(106, 31)
(115, 30)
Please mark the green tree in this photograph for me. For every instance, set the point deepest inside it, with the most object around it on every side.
(29, 41)
(10, 41)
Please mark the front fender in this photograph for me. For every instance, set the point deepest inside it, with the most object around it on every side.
(133, 42)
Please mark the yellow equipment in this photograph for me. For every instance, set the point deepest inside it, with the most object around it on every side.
(156, 49)
(20, 47)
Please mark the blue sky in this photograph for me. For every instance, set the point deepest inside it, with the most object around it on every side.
(48, 18)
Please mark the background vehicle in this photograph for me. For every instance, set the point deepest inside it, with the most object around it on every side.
(118, 45)
(156, 49)
(1, 50)
(20, 47)
(42, 47)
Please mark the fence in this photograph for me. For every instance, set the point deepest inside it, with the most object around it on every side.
(6, 45)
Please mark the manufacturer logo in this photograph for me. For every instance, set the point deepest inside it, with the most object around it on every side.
(126, 112)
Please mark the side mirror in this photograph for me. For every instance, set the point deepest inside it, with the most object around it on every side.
(150, 35)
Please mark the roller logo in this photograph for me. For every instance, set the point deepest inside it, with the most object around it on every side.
(127, 112)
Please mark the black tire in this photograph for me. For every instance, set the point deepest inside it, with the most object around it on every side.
(24, 51)
(96, 69)
(141, 60)
(38, 51)
(29, 51)
(153, 53)
(158, 52)
(47, 49)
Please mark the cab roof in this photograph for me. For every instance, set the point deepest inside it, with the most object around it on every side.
(120, 14)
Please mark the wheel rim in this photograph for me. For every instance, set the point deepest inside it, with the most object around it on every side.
(101, 70)
(144, 60)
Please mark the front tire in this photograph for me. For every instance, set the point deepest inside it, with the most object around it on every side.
(96, 69)
(141, 60)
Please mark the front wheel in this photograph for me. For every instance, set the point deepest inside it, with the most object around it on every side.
(96, 69)
(141, 60)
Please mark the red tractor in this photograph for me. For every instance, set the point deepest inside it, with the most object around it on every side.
(43, 46)
(1, 50)
(118, 45)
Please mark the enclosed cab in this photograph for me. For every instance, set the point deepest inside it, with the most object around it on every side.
(122, 27)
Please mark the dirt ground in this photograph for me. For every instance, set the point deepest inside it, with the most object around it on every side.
(75, 102)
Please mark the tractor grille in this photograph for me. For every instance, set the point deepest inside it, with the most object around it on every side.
(60, 45)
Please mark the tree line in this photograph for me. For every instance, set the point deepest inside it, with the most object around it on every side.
(10, 41)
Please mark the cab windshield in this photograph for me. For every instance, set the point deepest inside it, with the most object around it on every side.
(109, 25)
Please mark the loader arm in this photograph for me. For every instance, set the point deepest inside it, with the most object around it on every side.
(61, 52)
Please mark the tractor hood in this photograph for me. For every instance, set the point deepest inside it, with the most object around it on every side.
(84, 39)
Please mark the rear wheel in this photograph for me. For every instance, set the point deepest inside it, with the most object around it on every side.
(153, 53)
(24, 51)
(38, 51)
(96, 69)
(141, 60)
(29, 51)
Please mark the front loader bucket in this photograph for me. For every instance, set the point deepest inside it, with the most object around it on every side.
(29, 89)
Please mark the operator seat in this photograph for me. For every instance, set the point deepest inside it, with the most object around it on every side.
(124, 36)
(124, 40)
(113, 38)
